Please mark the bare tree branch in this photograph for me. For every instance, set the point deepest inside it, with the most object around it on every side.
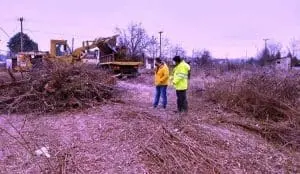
(135, 39)
(177, 50)
(274, 48)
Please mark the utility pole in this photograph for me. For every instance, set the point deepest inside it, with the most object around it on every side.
(193, 53)
(266, 43)
(154, 47)
(160, 43)
(21, 19)
(72, 44)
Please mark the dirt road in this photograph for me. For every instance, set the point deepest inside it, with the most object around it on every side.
(129, 136)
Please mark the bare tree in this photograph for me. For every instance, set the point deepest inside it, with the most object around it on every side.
(165, 48)
(274, 48)
(278, 55)
(264, 57)
(177, 50)
(267, 55)
(203, 57)
(153, 48)
(292, 48)
(292, 52)
(134, 38)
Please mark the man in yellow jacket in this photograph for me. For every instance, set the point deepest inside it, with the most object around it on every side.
(161, 82)
(181, 75)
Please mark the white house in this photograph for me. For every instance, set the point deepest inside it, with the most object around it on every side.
(8, 63)
(284, 63)
(149, 63)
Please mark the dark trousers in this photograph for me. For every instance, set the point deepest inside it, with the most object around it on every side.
(182, 104)
(161, 91)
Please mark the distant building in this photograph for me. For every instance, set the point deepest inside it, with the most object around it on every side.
(284, 63)
(9, 63)
(149, 63)
(219, 61)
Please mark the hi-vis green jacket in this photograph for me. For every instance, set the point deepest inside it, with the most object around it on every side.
(180, 76)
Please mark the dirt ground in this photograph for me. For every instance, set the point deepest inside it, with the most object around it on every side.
(127, 135)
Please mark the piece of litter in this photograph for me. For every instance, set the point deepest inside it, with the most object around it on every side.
(43, 151)
(1, 154)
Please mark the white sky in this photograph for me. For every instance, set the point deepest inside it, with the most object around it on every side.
(225, 27)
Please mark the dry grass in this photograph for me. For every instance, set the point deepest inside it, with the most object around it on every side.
(56, 87)
(130, 137)
(166, 152)
(269, 100)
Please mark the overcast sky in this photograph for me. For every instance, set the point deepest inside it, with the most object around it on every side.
(228, 28)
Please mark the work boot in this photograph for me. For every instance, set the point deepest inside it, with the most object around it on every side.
(177, 112)
(184, 113)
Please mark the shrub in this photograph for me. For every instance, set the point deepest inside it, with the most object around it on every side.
(269, 99)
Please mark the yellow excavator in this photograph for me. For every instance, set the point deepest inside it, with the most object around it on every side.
(59, 49)
(61, 52)
(107, 55)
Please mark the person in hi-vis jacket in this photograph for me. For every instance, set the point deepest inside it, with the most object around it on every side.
(181, 76)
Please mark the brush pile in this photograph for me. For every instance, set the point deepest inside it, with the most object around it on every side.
(269, 102)
(56, 87)
(167, 153)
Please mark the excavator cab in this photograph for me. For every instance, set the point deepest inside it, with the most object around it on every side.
(60, 51)
(59, 48)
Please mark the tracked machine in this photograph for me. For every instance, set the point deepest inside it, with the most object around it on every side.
(101, 52)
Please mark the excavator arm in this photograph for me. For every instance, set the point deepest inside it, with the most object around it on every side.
(104, 44)
(78, 52)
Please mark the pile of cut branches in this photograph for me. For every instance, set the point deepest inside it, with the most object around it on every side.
(269, 102)
(56, 87)
(165, 152)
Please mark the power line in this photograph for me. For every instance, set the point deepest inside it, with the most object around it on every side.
(4, 32)
(31, 33)
(54, 33)
(15, 29)
(45, 32)
(43, 22)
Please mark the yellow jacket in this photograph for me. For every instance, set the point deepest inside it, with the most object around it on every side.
(162, 75)
(180, 76)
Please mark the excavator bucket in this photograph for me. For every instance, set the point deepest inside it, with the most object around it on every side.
(107, 45)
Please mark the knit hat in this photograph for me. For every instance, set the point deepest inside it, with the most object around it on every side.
(177, 59)
(158, 60)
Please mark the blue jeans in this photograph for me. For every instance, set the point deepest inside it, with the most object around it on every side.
(161, 91)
